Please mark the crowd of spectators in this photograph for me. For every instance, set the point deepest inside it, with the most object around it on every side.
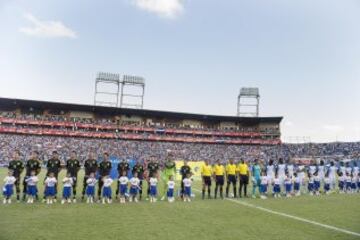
(61, 117)
(142, 150)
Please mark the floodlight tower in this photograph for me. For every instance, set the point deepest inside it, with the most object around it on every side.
(102, 79)
(248, 102)
(127, 94)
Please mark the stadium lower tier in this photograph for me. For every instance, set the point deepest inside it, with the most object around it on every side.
(133, 136)
(142, 150)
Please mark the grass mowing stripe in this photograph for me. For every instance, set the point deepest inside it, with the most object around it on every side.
(290, 216)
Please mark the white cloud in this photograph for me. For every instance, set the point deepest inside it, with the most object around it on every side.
(333, 128)
(50, 29)
(163, 8)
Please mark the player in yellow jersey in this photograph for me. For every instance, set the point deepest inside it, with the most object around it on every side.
(230, 177)
(219, 172)
(206, 173)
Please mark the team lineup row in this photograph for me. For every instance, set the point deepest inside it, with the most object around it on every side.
(282, 177)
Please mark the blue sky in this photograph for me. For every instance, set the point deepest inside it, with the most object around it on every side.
(195, 55)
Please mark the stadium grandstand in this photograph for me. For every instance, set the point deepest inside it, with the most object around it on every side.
(138, 134)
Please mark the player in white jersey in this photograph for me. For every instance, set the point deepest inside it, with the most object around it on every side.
(297, 184)
(106, 191)
(301, 173)
(321, 171)
(8, 189)
(90, 188)
(187, 188)
(332, 176)
(354, 180)
(342, 169)
(288, 181)
(348, 168)
(290, 169)
(134, 187)
(50, 190)
(270, 171)
(312, 168)
(317, 183)
(68, 182)
(355, 170)
(153, 188)
(277, 186)
(123, 185)
(280, 169)
(171, 189)
(264, 182)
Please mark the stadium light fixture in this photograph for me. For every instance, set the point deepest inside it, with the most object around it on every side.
(120, 90)
(248, 102)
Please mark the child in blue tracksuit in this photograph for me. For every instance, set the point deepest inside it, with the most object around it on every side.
(277, 188)
(316, 183)
(50, 190)
(170, 189)
(348, 183)
(90, 188)
(134, 187)
(297, 184)
(31, 190)
(153, 188)
(187, 188)
(327, 182)
(123, 186)
(341, 183)
(68, 182)
(288, 185)
(311, 184)
(107, 189)
(8, 189)
(264, 182)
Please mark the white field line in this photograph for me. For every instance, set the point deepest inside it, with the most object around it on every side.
(291, 216)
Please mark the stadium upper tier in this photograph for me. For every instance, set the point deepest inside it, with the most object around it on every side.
(60, 119)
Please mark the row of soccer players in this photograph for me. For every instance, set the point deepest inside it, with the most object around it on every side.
(332, 170)
(127, 188)
(291, 185)
(277, 175)
(312, 184)
(72, 166)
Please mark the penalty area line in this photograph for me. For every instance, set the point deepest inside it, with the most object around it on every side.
(291, 216)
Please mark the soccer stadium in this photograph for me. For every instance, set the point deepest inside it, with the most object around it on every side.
(218, 125)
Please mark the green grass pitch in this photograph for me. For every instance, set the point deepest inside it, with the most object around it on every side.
(200, 219)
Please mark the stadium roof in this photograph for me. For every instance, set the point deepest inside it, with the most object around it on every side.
(10, 103)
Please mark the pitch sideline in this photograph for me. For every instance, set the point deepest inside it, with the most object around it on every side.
(291, 216)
